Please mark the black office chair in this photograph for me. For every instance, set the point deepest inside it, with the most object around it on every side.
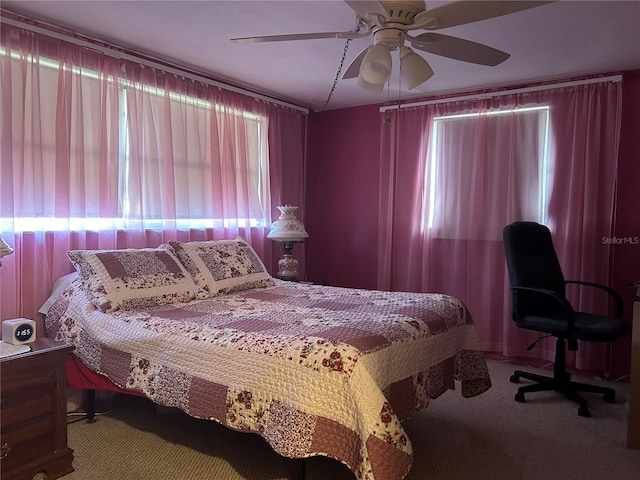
(539, 303)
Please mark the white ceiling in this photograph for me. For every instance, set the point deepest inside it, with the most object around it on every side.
(556, 40)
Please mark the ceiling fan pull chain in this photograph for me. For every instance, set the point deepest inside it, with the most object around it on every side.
(335, 81)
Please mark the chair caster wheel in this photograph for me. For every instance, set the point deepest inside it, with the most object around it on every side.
(514, 379)
(519, 397)
(609, 397)
(583, 411)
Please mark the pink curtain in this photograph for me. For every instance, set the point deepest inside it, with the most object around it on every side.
(454, 174)
(102, 153)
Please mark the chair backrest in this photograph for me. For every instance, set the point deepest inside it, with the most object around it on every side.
(532, 262)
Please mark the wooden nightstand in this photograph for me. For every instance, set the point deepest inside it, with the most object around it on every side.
(33, 432)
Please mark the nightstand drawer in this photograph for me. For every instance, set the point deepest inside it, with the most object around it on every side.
(27, 441)
(26, 398)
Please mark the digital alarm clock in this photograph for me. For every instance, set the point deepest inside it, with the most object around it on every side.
(18, 331)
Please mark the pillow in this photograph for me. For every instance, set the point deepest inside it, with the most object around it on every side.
(132, 278)
(222, 266)
(59, 286)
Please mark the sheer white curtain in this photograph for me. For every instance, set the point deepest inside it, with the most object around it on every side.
(494, 159)
(99, 152)
(453, 174)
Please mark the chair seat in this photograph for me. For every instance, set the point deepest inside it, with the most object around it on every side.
(588, 326)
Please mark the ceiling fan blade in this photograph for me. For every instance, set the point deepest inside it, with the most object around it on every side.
(299, 36)
(458, 49)
(362, 7)
(462, 12)
(353, 69)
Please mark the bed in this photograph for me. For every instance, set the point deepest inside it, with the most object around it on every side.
(314, 370)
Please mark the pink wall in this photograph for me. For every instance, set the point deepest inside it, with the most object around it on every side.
(342, 197)
(343, 184)
(627, 255)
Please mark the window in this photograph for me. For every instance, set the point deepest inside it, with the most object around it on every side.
(206, 171)
(139, 156)
(495, 162)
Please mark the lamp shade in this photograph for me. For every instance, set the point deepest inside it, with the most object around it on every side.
(5, 249)
(287, 228)
(413, 68)
(376, 65)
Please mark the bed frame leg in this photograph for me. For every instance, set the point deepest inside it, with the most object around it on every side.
(91, 406)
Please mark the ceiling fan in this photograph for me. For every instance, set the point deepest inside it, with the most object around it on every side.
(389, 23)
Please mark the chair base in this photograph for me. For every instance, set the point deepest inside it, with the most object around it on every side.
(561, 383)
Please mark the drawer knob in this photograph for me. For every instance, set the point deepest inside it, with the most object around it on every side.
(5, 450)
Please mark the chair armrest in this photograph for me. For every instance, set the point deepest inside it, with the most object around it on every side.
(562, 301)
(614, 295)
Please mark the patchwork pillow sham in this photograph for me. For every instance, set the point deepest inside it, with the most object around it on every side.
(222, 266)
(132, 278)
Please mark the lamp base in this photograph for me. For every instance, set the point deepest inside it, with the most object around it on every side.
(288, 265)
(288, 268)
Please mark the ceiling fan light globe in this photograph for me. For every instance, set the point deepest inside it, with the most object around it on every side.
(413, 68)
(376, 65)
(372, 87)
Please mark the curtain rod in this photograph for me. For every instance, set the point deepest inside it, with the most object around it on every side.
(149, 63)
(612, 78)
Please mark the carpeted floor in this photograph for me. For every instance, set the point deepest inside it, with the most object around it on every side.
(489, 437)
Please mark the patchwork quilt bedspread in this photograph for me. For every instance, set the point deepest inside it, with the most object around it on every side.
(314, 370)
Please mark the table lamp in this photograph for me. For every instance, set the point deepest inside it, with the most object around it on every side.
(287, 230)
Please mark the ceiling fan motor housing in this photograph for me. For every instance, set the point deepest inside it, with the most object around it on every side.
(401, 16)
(392, 38)
(403, 11)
